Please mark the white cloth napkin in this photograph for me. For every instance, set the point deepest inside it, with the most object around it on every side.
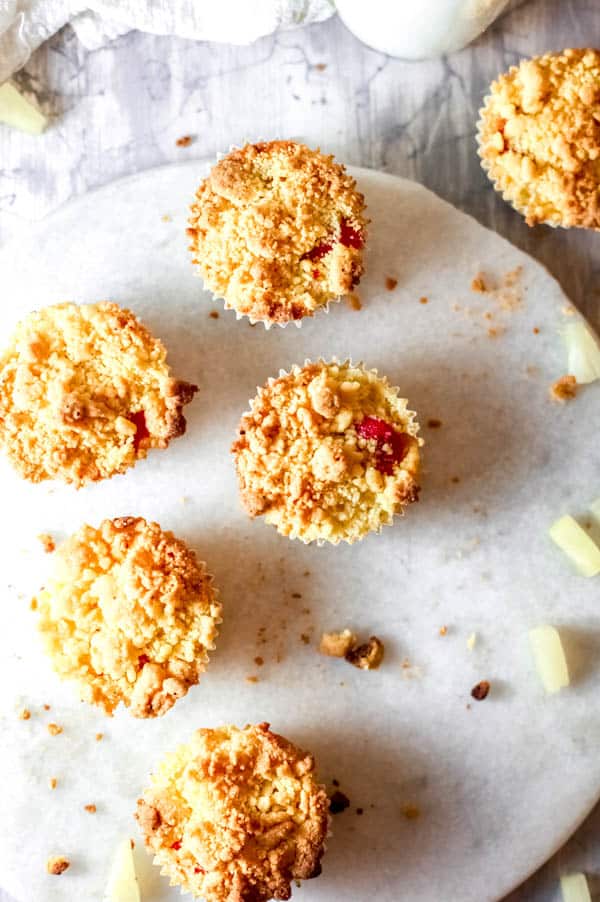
(25, 24)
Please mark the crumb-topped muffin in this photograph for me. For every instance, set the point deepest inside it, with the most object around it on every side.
(236, 815)
(328, 452)
(85, 392)
(278, 231)
(129, 614)
(539, 138)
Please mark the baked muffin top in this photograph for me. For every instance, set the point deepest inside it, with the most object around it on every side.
(328, 451)
(277, 230)
(235, 815)
(129, 614)
(85, 391)
(539, 136)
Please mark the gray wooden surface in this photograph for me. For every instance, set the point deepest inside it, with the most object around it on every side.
(120, 109)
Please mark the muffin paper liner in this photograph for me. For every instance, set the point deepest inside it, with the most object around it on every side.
(411, 416)
(324, 308)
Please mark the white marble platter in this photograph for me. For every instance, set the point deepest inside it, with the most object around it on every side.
(500, 784)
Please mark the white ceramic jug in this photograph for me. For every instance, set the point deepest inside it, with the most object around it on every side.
(416, 29)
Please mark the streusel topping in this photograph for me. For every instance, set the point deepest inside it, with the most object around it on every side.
(129, 614)
(85, 391)
(540, 138)
(236, 815)
(278, 231)
(328, 451)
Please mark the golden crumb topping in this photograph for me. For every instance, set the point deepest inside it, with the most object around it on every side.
(85, 391)
(539, 138)
(236, 815)
(564, 389)
(129, 614)
(57, 864)
(327, 452)
(277, 230)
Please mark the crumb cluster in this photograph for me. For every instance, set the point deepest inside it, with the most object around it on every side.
(85, 391)
(236, 815)
(277, 230)
(539, 137)
(129, 614)
(564, 389)
(327, 452)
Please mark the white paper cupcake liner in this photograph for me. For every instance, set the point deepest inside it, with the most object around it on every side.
(323, 308)
(412, 424)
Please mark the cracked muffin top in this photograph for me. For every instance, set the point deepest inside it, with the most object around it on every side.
(129, 614)
(236, 815)
(327, 452)
(85, 392)
(539, 137)
(278, 230)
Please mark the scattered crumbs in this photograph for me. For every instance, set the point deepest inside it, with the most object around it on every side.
(568, 310)
(443, 630)
(25, 714)
(456, 308)
(305, 638)
(512, 277)
(306, 573)
(411, 812)
(480, 691)
(390, 283)
(338, 802)
(166, 218)
(488, 315)
(52, 782)
(214, 314)
(335, 782)
(471, 641)
(434, 423)
(54, 729)
(306, 610)
(33, 604)
(132, 843)
(531, 371)
(496, 331)
(91, 809)
(252, 679)
(564, 389)
(478, 284)
(48, 543)
(46, 707)
(359, 810)
(296, 595)
(423, 300)
(184, 141)
(57, 864)
(354, 302)
(99, 737)
(320, 67)
(536, 331)
(367, 656)
(337, 645)
(455, 479)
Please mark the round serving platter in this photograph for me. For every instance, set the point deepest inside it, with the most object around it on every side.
(496, 785)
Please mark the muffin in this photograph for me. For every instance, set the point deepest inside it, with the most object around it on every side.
(539, 138)
(129, 614)
(236, 815)
(327, 452)
(278, 230)
(85, 391)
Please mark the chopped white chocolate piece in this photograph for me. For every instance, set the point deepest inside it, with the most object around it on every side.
(574, 888)
(549, 658)
(471, 641)
(20, 113)
(576, 544)
(122, 881)
(583, 352)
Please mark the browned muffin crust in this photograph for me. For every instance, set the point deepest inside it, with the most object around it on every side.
(236, 815)
(85, 392)
(278, 230)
